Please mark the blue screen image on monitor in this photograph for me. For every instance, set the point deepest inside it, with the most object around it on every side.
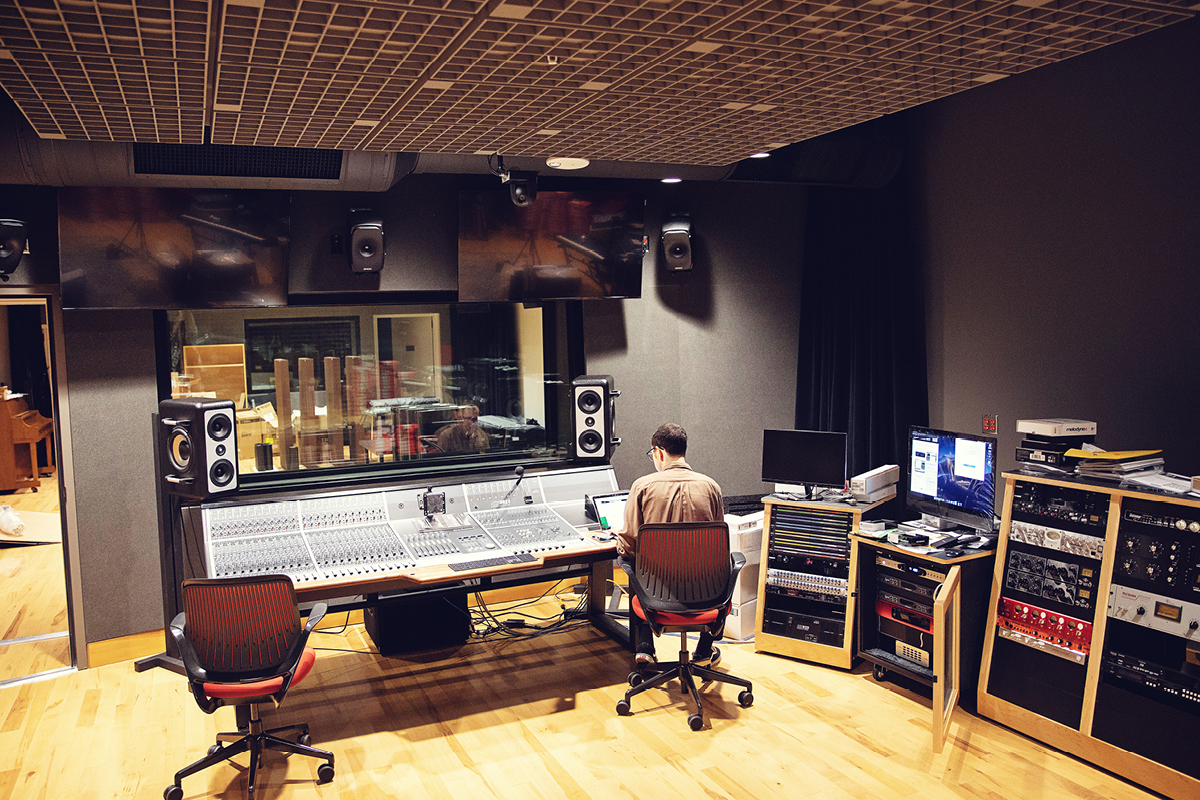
(952, 476)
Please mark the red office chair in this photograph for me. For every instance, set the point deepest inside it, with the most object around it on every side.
(682, 580)
(242, 645)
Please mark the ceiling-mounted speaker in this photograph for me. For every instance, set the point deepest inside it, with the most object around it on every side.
(366, 241)
(199, 444)
(12, 245)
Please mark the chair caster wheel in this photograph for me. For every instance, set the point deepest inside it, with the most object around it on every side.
(636, 678)
(745, 698)
(695, 722)
(325, 773)
(173, 792)
(216, 748)
(623, 708)
(305, 740)
(879, 672)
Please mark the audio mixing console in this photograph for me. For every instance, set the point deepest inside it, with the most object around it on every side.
(364, 534)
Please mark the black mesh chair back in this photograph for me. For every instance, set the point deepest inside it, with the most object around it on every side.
(684, 566)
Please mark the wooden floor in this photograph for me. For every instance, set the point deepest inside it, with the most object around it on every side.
(33, 594)
(529, 719)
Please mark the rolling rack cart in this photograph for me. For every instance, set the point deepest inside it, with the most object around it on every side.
(922, 617)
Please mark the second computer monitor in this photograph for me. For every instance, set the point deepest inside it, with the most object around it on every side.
(807, 458)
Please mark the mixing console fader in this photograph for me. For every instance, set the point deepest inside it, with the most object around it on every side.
(529, 529)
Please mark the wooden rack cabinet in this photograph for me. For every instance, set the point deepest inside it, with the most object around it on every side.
(1094, 642)
(922, 617)
(217, 369)
(807, 580)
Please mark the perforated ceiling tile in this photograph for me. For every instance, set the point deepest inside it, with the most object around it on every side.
(699, 81)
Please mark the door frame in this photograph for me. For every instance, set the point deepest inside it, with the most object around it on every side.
(48, 296)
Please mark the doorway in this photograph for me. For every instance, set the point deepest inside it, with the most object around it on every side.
(34, 618)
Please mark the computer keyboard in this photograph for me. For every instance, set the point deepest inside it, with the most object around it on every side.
(496, 561)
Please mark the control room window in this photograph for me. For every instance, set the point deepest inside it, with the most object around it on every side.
(383, 386)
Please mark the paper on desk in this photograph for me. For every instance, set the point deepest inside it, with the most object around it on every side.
(1163, 481)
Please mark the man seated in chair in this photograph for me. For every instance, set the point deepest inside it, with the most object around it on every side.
(674, 493)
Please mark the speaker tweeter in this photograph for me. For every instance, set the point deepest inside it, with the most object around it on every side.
(199, 444)
(593, 416)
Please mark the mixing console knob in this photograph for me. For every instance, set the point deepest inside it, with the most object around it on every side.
(1141, 610)
(1181, 524)
(1194, 527)
(1193, 625)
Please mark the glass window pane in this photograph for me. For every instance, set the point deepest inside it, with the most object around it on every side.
(372, 386)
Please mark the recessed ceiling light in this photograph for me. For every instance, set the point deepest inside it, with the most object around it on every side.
(672, 180)
(761, 155)
(561, 162)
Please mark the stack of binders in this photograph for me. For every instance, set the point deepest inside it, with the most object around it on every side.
(1047, 441)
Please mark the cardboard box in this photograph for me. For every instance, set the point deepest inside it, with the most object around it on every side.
(745, 533)
(740, 622)
(254, 425)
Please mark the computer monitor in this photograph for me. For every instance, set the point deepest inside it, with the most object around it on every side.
(952, 476)
(807, 458)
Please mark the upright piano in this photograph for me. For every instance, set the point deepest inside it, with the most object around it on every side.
(21, 428)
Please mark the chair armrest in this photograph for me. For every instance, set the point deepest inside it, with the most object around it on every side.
(736, 562)
(187, 653)
(314, 618)
(625, 566)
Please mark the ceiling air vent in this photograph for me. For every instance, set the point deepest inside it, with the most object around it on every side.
(240, 161)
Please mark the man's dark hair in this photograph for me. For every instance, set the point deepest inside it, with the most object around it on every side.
(671, 438)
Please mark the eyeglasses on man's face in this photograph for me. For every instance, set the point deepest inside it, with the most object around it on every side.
(650, 453)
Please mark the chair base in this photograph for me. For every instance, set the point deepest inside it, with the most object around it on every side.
(256, 741)
(687, 673)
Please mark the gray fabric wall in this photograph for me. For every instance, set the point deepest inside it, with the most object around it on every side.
(1061, 238)
(112, 393)
(713, 349)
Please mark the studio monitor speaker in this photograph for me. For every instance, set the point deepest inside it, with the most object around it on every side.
(199, 442)
(12, 244)
(677, 243)
(366, 241)
(593, 417)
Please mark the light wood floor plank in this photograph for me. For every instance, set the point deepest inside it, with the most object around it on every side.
(530, 719)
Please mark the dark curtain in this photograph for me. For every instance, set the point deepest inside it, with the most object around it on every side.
(27, 357)
(862, 332)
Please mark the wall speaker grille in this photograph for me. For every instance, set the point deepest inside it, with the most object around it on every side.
(244, 161)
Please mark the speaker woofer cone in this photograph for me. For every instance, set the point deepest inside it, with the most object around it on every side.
(219, 427)
(589, 402)
(180, 448)
(591, 442)
(221, 473)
